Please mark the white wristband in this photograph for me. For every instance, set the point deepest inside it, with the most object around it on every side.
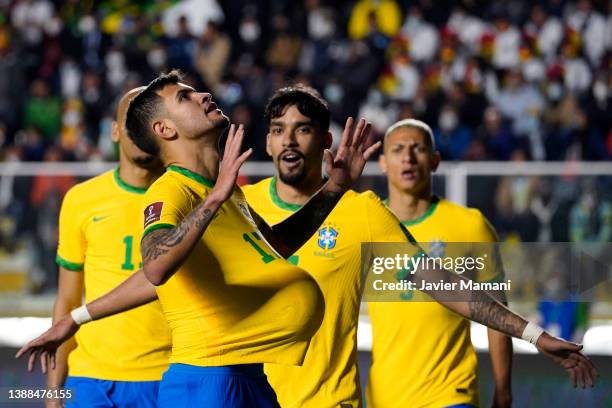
(81, 315)
(532, 333)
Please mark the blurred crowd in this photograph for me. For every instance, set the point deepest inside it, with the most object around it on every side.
(506, 80)
(492, 78)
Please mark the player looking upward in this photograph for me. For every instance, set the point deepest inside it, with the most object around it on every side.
(231, 300)
(485, 309)
(98, 249)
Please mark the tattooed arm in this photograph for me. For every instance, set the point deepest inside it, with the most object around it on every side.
(482, 307)
(164, 250)
(343, 170)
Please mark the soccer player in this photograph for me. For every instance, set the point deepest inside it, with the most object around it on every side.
(442, 371)
(298, 120)
(98, 249)
(338, 265)
(232, 301)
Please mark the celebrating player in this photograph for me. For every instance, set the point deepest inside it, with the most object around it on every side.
(302, 140)
(98, 249)
(447, 373)
(231, 300)
(298, 120)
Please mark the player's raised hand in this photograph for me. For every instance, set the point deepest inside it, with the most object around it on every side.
(231, 162)
(345, 167)
(579, 367)
(45, 346)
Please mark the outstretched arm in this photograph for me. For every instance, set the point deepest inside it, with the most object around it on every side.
(133, 292)
(343, 170)
(164, 250)
(69, 296)
(483, 308)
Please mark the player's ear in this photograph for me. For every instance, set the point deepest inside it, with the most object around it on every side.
(435, 160)
(268, 149)
(382, 163)
(115, 131)
(164, 129)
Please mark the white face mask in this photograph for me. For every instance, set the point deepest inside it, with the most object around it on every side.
(321, 26)
(71, 118)
(87, 24)
(249, 31)
(53, 26)
(555, 91)
(375, 97)
(114, 60)
(600, 91)
(333, 93)
(448, 121)
(156, 58)
(412, 23)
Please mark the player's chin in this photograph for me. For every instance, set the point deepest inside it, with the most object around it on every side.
(219, 120)
(292, 177)
(409, 187)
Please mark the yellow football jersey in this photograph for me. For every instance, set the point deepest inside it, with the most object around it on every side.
(234, 300)
(329, 376)
(99, 235)
(422, 355)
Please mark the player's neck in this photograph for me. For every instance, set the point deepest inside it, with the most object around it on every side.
(409, 206)
(200, 156)
(136, 176)
(298, 194)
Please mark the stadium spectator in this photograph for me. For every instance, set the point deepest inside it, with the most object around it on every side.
(452, 137)
(497, 139)
(546, 30)
(212, 53)
(386, 14)
(243, 51)
(504, 77)
(42, 109)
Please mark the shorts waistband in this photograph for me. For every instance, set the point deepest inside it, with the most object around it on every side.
(251, 370)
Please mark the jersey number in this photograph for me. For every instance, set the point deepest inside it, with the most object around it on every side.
(127, 265)
(252, 239)
(265, 257)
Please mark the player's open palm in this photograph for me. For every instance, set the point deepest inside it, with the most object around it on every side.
(346, 166)
(579, 367)
(231, 162)
(45, 346)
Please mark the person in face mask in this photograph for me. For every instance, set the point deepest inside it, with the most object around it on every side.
(452, 137)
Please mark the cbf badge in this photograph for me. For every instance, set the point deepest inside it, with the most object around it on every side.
(437, 249)
(327, 237)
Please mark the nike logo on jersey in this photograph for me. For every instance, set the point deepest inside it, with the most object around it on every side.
(96, 219)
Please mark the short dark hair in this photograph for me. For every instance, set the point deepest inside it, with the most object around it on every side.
(143, 108)
(307, 100)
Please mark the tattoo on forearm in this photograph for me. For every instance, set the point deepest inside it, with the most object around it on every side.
(484, 309)
(158, 243)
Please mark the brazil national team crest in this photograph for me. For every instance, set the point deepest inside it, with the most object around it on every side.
(327, 237)
(437, 248)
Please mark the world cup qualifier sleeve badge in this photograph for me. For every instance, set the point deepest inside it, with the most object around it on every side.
(152, 213)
